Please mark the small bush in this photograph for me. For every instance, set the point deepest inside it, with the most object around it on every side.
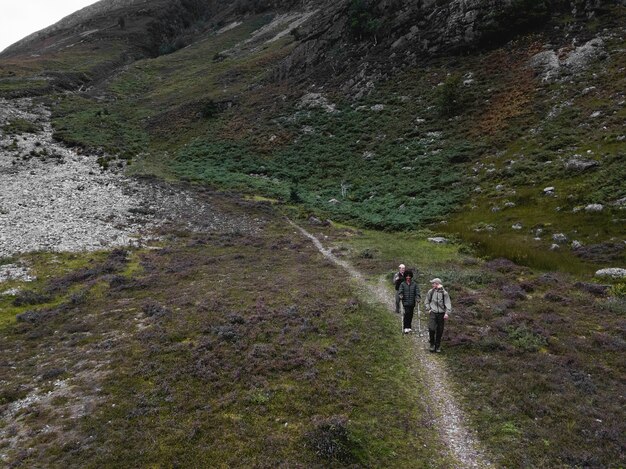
(525, 339)
(20, 126)
(154, 309)
(12, 394)
(619, 290)
(209, 109)
(330, 439)
(449, 96)
(28, 297)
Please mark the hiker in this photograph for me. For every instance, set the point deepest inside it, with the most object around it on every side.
(439, 307)
(409, 293)
(398, 278)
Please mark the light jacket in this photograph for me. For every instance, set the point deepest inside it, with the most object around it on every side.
(438, 301)
(398, 278)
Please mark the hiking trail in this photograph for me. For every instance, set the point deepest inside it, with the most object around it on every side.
(449, 419)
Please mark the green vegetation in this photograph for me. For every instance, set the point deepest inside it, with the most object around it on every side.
(538, 355)
(377, 183)
(218, 349)
(362, 18)
(20, 126)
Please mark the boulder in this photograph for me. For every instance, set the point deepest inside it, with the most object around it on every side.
(612, 272)
(577, 163)
(594, 208)
(581, 57)
(593, 288)
(438, 240)
(546, 65)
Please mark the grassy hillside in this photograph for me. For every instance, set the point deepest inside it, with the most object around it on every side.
(238, 349)
(537, 356)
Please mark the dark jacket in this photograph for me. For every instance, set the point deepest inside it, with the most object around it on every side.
(409, 293)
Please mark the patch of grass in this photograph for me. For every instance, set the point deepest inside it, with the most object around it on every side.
(20, 126)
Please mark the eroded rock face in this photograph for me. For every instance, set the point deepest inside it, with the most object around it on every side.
(415, 30)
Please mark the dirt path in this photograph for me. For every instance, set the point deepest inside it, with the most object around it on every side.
(449, 419)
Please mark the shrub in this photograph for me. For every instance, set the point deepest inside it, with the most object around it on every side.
(449, 96)
(28, 297)
(619, 290)
(20, 126)
(361, 19)
(330, 439)
(523, 338)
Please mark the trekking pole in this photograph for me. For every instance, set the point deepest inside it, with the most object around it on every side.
(419, 321)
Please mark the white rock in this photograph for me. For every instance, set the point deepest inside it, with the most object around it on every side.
(438, 240)
(548, 190)
(594, 208)
(576, 244)
(559, 237)
(517, 226)
(613, 272)
(554, 247)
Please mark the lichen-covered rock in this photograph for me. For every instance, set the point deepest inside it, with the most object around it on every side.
(577, 163)
(612, 272)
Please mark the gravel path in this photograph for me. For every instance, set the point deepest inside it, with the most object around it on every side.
(449, 419)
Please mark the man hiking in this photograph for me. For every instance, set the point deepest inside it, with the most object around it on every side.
(409, 293)
(438, 305)
(398, 278)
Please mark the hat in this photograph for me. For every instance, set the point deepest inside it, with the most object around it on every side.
(436, 280)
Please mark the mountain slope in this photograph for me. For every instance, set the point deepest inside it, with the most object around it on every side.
(499, 125)
(309, 104)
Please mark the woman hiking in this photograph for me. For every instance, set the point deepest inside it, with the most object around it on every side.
(409, 293)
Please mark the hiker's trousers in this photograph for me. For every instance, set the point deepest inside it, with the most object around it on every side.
(398, 301)
(435, 328)
(408, 316)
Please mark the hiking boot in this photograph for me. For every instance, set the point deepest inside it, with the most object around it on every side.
(432, 348)
(438, 350)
